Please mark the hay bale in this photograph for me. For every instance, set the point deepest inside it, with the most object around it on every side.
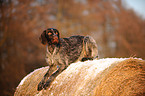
(86, 78)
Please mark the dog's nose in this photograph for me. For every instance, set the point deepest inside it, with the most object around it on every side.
(55, 37)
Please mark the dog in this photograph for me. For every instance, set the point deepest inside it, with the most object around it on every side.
(61, 52)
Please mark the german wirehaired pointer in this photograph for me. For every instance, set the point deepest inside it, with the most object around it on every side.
(61, 52)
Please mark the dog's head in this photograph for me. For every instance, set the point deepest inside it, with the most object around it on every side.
(50, 36)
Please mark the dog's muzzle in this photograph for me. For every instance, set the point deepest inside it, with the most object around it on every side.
(55, 40)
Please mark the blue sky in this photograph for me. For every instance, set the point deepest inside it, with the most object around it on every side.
(138, 6)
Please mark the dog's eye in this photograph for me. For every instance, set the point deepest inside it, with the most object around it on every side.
(49, 33)
(56, 33)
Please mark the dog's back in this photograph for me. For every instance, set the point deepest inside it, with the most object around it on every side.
(78, 47)
(73, 47)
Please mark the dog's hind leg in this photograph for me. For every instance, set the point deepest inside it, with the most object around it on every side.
(93, 46)
(90, 49)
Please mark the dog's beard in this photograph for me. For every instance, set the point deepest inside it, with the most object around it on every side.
(55, 41)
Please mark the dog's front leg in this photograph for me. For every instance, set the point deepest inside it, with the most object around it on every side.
(59, 69)
(45, 78)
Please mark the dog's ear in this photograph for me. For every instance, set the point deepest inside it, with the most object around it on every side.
(42, 38)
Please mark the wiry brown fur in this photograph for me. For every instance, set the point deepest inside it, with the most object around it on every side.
(61, 52)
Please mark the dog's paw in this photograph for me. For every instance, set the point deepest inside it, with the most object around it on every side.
(40, 86)
(47, 84)
(85, 59)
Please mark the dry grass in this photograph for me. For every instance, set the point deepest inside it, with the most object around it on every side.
(127, 78)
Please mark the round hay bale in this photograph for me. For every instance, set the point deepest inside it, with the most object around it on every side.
(105, 76)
